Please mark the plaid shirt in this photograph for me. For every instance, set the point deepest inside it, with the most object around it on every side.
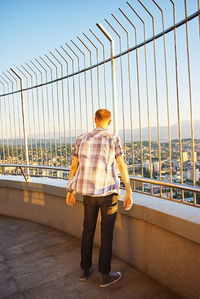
(96, 174)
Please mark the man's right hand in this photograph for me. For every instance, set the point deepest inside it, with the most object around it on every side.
(70, 198)
(128, 201)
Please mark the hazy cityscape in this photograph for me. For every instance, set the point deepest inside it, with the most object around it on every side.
(48, 154)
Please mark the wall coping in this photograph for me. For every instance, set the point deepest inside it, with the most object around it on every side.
(183, 220)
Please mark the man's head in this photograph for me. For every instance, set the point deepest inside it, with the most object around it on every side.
(102, 118)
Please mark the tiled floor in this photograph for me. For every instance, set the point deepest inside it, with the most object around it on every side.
(39, 262)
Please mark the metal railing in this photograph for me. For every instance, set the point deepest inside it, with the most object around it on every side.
(139, 184)
(150, 86)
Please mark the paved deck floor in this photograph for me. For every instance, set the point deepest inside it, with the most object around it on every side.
(39, 262)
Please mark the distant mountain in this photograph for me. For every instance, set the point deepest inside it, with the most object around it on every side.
(185, 133)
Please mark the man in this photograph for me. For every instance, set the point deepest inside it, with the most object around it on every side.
(93, 174)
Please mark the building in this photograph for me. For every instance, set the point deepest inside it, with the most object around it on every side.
(176, 164)
(147, 165)
(156, 166)
(60, 174)
(45, 172)
(190, 174)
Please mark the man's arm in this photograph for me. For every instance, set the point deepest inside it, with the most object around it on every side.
(73, 167)
(70, 198)
(128, 201)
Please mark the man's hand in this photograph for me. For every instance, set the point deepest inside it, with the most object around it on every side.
(128, 201)
(70, 198)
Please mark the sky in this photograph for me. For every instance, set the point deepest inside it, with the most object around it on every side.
(32, 28)
(29, 28)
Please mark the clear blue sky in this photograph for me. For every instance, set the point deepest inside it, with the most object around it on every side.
(30, 28)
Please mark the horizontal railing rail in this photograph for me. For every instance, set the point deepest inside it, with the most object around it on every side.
(134, 179)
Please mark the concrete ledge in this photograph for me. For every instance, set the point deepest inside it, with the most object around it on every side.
(159, 237)
(177, 218)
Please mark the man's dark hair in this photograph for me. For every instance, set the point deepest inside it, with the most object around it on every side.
(103, 114)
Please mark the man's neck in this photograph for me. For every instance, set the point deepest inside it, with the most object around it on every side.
(102, 127)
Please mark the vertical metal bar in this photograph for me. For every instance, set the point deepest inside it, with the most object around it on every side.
(42, 97)
(138, 90)
(52, 97)
(28, 108)
(2, 131)
(130, 92)
(113, 65)
(156, 90)
(10, 118)
(191, 104)
(97, 60)
(16, 82)
(57, 96)
(5, 108)
(104, 69)
(79, 85)
(47, 100)
(58, 108)
(91, 76)
(122, 84)
(73, 88)
(34, 111)
(167, 95)
(37, 98)
(63, 105)
(68, 97)
(147, 90)
(23, 122)
(177, 99)
(85, 82)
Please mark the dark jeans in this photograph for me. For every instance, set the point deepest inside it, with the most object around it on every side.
(108, 206)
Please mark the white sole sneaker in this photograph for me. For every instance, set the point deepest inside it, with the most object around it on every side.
(85, 276)
(112, 282)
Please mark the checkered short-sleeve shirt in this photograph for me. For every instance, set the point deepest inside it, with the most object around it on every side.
(97, 173)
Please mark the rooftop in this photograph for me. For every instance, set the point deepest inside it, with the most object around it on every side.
(37, 261)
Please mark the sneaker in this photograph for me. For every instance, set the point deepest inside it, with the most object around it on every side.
(108, 279)
(84, 275)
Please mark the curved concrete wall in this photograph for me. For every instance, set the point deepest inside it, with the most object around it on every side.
(159, 237)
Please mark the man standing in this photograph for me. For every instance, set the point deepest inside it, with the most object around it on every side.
(93, 174)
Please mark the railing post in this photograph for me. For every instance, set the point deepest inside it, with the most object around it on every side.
(24, 124)
(113, 72)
